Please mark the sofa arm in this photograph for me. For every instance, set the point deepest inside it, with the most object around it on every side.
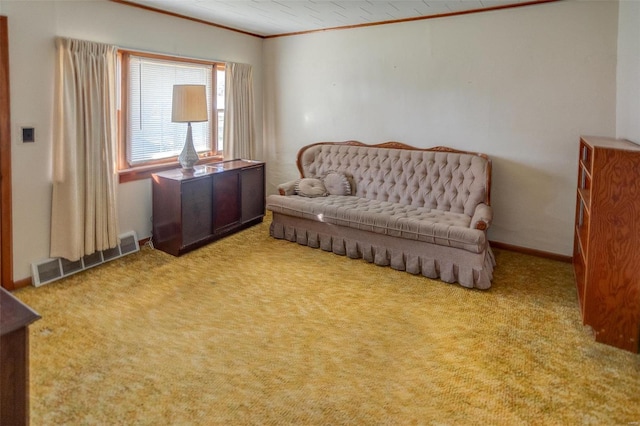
(287, 188)
(482, 217)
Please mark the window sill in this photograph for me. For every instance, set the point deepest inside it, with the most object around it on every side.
(145, 172)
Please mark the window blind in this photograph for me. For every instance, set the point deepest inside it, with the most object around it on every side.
(150, 132)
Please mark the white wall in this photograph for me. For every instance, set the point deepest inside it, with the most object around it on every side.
(628, 98)
(33, 26)
(520, 85)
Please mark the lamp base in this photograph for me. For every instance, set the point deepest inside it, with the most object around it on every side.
(189, 156)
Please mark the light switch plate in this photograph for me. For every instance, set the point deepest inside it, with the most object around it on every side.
(28, 134)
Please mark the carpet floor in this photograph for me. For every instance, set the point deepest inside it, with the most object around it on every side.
(253, 330)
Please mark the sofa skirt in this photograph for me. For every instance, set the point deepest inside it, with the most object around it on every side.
(449, 264)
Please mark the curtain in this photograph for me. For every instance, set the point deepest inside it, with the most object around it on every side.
(239, 133)
(83, 210)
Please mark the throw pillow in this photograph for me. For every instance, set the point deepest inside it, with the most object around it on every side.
(336, 183)
(311, 187)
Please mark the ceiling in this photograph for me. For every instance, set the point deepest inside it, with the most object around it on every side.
(267, 18)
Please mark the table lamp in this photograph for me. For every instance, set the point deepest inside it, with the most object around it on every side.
(189, 105)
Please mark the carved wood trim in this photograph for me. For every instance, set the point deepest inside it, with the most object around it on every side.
(400, 145)
(482, 226)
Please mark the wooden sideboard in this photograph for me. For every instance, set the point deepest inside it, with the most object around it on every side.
(15, 318)
(194, 209)
(606, 253)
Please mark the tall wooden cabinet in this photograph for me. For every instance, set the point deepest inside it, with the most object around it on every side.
(606, 254)
(190, 210)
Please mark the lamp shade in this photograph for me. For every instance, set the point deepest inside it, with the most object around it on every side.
(189, 103)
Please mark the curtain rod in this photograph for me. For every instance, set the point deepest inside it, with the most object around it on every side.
(150, 52)
(172, 55)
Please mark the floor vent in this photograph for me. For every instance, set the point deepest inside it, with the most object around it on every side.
(48, 270)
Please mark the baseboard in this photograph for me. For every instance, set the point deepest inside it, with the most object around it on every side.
(22, 283)
(532, 252)
(504, 246)
(25, 282)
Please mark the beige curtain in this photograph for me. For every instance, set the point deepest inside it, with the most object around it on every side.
(239, 133)
(83, 211)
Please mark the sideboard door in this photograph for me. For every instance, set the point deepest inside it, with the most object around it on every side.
(253, 193)
(226, 201)
(197, 210)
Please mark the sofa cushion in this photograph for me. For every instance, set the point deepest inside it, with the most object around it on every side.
(394, 219)
(336, 183)
(311, 187)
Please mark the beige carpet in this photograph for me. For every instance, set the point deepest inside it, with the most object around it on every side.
(252, 330)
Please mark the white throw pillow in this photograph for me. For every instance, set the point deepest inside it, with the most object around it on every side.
(336, 183)
(311, 187)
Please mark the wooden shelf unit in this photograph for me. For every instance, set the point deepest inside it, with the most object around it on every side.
(606, 253)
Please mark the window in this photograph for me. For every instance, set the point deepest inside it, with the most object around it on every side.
(220, 105)
(149, 141)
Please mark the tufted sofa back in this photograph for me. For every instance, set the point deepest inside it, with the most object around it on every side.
(436, 178)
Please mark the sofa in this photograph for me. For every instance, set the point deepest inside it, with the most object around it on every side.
(423, 211)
